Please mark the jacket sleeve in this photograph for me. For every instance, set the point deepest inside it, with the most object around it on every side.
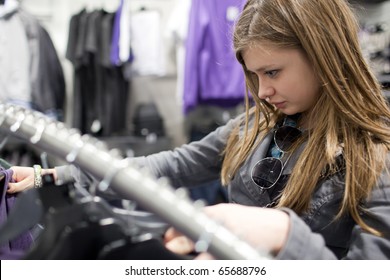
(302, 243)
(187, 165)
(72, 174)
(190, 164)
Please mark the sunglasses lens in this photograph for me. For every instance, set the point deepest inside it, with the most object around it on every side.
(267, 172)
(285, 136)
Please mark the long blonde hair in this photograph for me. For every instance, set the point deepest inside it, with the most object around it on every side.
(351, 110)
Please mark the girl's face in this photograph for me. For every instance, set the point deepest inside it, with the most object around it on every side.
(285, 77)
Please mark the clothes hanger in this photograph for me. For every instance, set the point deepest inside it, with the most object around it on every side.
(76, 225)
(92, 229)
(147, 244)
(77, 232)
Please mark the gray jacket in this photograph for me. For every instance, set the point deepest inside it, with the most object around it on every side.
(312, 235)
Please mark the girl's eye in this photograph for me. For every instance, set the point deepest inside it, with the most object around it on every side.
(271, 73)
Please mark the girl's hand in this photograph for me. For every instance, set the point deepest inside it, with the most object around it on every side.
(23, 177)
(263, 228)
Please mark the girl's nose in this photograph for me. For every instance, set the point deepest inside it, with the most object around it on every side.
(265, 91)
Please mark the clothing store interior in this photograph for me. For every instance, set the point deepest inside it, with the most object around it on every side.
(93, 84)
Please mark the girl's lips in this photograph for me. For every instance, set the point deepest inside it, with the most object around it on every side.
(279, 105)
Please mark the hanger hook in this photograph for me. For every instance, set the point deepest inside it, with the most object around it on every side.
(20, 118)
(71, 157)
(205, 238)
(113, 171)
(38, 132)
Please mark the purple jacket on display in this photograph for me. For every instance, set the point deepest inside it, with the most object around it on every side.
(212, 75)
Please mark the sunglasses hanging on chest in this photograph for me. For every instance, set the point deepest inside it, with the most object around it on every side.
(267, 171)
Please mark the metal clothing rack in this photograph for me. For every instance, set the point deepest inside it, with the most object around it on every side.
(129, 182)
